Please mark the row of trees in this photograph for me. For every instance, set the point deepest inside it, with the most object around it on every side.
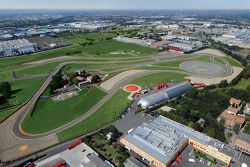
(227, 49)
(5, 90)
(208, 105)
(57, 82)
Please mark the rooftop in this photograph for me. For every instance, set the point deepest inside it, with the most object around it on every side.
(235, 101)
(13, 44)
(232, 109)
(162, 137)
(82, 154)
(242, 144)
(160, 43)
(132, 162)
(234, 118)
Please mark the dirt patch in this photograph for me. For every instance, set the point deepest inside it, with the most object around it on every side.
(45, 61)
(211, 51)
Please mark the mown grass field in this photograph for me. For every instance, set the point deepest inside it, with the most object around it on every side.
(232, 61)
(84, 37)
(4, 114)
(178, 62)
(243, 84)
(153, 79)
(49, 115)
(22, 90)
(18, 61)
(108, 113)
(104, 48)
(112, 109)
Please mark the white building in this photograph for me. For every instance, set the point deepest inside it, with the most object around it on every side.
(168, 27)
(16, 47)
(136, 41)
(247, 109)
(80, 156)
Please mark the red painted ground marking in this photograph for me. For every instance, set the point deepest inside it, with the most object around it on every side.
(131, 88)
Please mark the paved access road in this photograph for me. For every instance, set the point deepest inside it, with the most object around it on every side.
(12, 139)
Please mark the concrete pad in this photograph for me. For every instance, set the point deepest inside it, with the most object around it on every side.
(109, 84)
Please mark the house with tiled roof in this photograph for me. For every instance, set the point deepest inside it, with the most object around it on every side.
(235, 102)
(231, 120)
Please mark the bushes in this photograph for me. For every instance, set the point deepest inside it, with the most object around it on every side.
(5, 90)
(74, 52)
(244, 74)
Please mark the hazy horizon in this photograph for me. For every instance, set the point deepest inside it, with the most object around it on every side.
(124, 5)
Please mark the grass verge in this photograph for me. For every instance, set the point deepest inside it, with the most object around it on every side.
(49, 115)
(108, 113)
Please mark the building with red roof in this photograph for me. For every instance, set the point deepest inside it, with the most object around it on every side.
(231, 120)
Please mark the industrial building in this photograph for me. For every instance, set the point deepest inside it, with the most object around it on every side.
(136, 41)
(164, 95)
(242, 143)
(160, 141)
(80, 156)
(183, 47)
(16, 47)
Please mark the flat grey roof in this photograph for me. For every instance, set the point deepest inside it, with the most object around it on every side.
(132, 162)
(81, 155)
(162, 137)
(93, 160)
(157, 139)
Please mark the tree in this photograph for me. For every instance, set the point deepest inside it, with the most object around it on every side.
(236, 128)
(223, 84)
(211, 132)
(57, 82)
(191, 124)
(74, 81)
(192, 93)
(96, 79)
(194, 115)
(5, 90)
(198, 127)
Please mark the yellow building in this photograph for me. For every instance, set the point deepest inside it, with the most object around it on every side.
(162, 140)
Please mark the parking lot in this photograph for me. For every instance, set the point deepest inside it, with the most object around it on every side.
(132, 120)
(187, 156)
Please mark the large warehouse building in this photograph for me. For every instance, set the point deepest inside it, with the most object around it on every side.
(164, 95)
(16, 47)
(162, 140)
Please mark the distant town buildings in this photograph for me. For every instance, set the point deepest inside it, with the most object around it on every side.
(136, 41)
(90, 25)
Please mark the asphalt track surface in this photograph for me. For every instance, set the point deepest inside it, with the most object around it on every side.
(32, 101)
(14, 130)
(204, 68)
(28, 106)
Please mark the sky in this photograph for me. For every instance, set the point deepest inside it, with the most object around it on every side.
(124, 4)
